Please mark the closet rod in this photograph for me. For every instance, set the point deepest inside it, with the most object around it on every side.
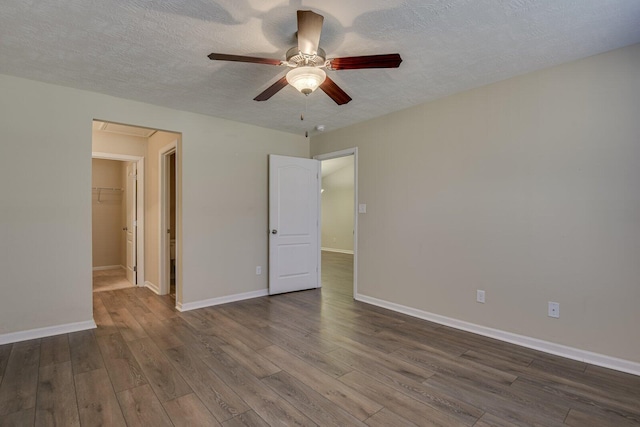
(107, 188)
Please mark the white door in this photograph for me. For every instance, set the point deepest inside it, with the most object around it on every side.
(294, 190)
(131, 198)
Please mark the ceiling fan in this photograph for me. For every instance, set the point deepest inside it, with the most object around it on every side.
(307, 61)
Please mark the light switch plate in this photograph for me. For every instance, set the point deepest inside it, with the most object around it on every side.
(362, 208)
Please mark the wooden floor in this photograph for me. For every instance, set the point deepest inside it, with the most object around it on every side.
(110, 280)
(307, 358)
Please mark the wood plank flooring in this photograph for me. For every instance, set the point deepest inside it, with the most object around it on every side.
(307, 358)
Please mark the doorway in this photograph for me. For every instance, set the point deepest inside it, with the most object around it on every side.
(168, 220)
(117, 232)
(148, 147)
(339, 221)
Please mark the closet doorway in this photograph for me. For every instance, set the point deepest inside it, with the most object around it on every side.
(117, 233)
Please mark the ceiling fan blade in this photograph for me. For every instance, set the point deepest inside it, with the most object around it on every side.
(333, 90)
(272, 90)
(240, 58)
(309, 29)
(391, 60)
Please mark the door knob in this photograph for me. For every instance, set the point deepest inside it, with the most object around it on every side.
(274, 231)
(124, 228)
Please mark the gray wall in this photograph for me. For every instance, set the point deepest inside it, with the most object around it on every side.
(527, 188)
(45, 214)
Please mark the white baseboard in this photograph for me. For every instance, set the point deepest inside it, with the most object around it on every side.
(221, 300)
(108, 267)
(155, 288)
(340, 251)
(524, 341)
(49, 331)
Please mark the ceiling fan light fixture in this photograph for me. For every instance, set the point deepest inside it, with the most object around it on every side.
(307, 61)
(306, 79)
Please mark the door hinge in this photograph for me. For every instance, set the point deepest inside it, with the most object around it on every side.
(135, 222)
(135, 268)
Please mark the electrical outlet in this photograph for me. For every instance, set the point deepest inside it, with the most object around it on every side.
(554, 309)
(480, 296)
(258, 270)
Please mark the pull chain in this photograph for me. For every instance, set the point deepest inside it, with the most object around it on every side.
(306, 133)
(305, 109)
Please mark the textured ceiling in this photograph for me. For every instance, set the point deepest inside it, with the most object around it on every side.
(156, 51)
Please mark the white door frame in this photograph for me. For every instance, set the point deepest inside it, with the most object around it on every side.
(140, 206)
(334, 155)
(164, 261)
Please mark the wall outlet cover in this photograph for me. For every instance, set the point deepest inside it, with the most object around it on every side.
(554, 309)
(258, 270)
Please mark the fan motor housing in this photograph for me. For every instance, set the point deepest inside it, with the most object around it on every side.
(295, 58)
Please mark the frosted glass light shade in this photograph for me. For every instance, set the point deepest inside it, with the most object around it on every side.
(306, 79)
